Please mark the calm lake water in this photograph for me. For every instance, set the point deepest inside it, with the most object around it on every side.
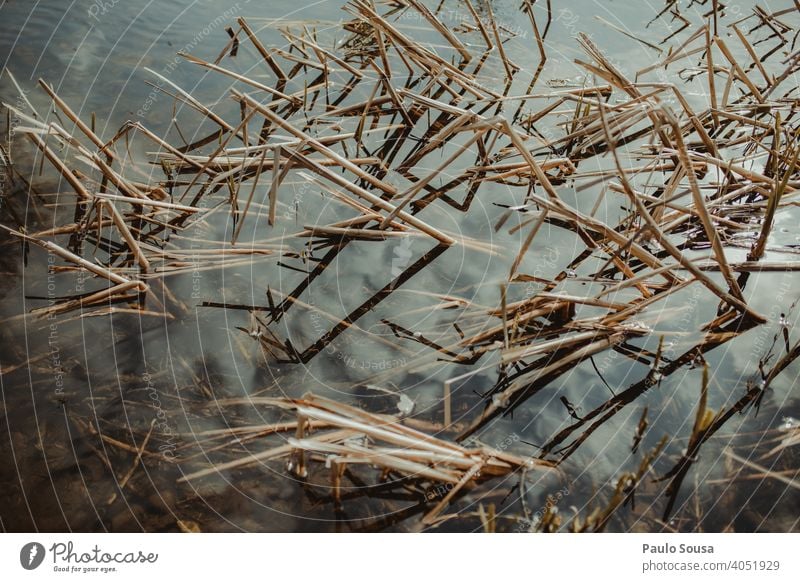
(123, 370)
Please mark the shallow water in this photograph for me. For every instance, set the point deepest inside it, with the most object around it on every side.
(126, 371)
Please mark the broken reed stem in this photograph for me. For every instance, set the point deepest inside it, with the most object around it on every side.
(73, 258)
(140, 451)
(448, 411)
(273, 189)
(772, 206)
(735, 302)
(276, 68)
(764, 471)
(149, 202)
(712, 86)
(314, 143)
(479, 24)
(371, 198)
(445, 32)
(686, 263)
(500, 49)
(92, 299)
(702, 211)
(74, 118)
(739, 72)
(133, 245)
(247, 204)
(60, 166)
(527, 243)
(408, 196)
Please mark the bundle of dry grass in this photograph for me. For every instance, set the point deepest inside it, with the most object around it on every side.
(359, 121)
(342, 436)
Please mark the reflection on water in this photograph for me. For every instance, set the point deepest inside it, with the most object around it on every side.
(90, 374)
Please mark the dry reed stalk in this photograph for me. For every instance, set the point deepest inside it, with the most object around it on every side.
(352, 233)
(113, 292)
(507, 65)
(139, 452)
(479, 23)
(328, 54)
(772, 206)
(407, 196)
(734, 301)
(234, 75)
(191, 101)
(273, 64)
(739, 72)
(315, 144)
(259, 168)
(68, 175)
(433, 514)
(174, 151)
(181, 208)
(712, 86)
(735, 168)
(700, 207)
(396, 99)
(688, 264)
(132, 243)
(73, 117)
(273, 453)
(685, 213)
(116, 179)
(629, 34)
(405, 450)
(273, 188)
(764, 471)
(504, 400)
(539, 221)
(609, 233)
(72, 258)
(304, 62)
(442, 29)
(371, 198)
(751, 51)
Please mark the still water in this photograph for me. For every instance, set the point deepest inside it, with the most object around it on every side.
(123, 371)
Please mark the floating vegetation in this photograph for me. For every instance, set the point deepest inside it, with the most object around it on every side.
(401, 130)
